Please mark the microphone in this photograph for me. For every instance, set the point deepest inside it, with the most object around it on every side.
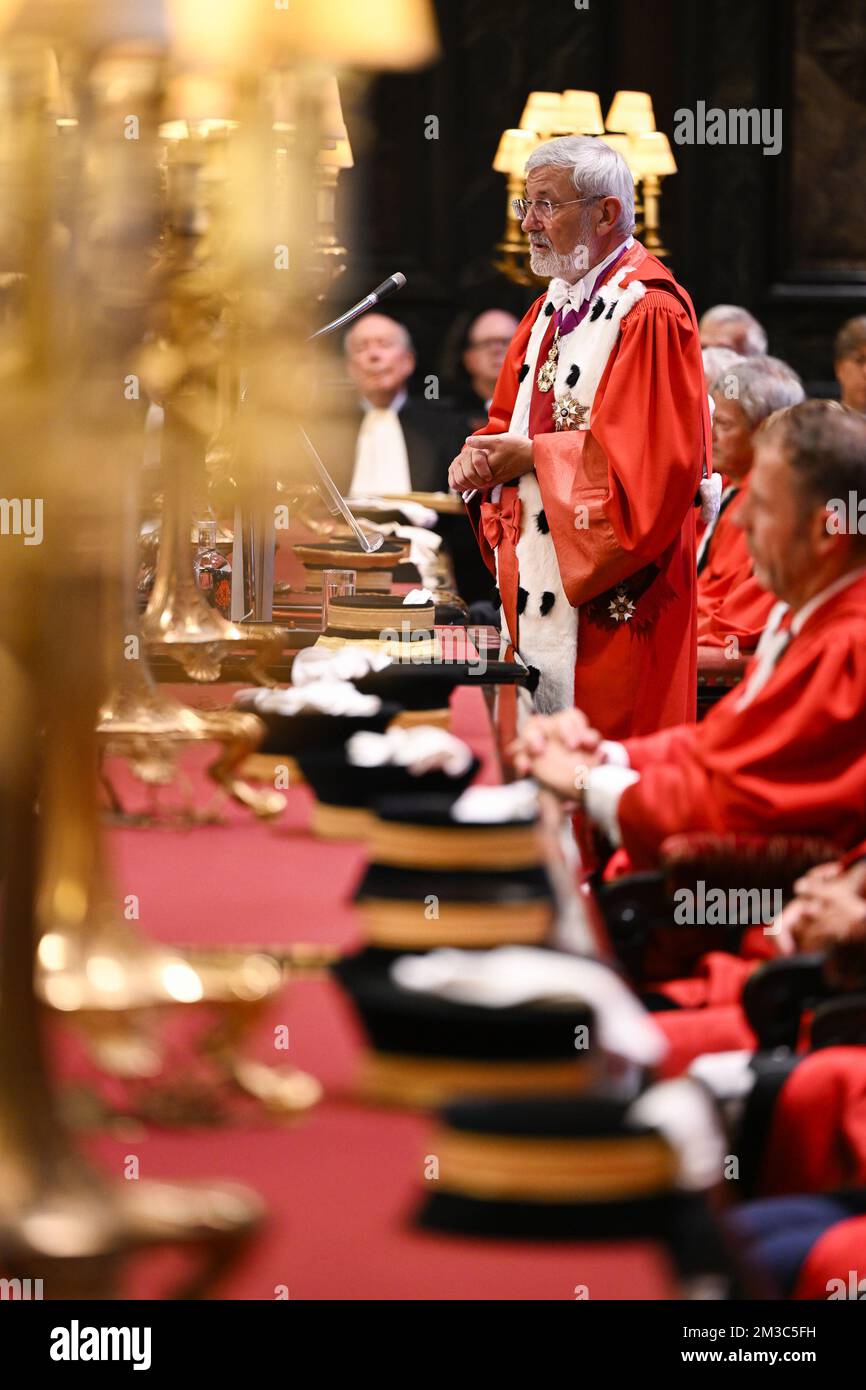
(393, 283)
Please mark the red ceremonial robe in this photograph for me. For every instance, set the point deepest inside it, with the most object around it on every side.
(817, 1139)
(636, 472)
(835, 1255)
(792, 760)
(731, 602)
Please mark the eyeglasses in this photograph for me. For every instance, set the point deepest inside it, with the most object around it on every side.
(544, 208)
(489, 343)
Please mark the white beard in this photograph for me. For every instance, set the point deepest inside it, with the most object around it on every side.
(547, 263)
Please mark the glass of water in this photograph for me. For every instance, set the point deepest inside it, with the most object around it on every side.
(336, 584)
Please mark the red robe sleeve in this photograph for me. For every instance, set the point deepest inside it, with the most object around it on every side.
(794, 760)
(637, 468)
(499, 415)
(742, 613)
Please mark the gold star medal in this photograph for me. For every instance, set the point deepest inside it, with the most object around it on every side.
(569, 414)
(621, 607)
(547, 371)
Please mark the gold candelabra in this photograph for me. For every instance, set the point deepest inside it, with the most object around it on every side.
(81, 291)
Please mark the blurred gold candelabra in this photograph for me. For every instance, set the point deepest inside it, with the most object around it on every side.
(98, 290)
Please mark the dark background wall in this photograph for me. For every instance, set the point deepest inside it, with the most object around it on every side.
(780, 234)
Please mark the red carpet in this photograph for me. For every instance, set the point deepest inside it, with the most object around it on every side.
(341, 1183)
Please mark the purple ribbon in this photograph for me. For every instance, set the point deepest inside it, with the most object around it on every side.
(565, 323)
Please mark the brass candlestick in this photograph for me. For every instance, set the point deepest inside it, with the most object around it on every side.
(181, 367)
(148, 728)
(60, 1221)
(179, 621)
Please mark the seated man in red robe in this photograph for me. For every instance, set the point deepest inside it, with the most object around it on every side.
(809, 1221)
(733, 607)
(785, 751)
(582, 486)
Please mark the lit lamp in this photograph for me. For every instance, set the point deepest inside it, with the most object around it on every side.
(624, 145)
(631, 113)
(375, 34)
(514, 149)
(653, 160)
(542, 114)
(581, 113)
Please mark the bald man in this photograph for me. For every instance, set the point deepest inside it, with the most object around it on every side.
(487, 341)
(402, 445)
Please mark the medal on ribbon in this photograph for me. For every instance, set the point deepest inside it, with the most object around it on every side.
(569, 414)
(547, 371)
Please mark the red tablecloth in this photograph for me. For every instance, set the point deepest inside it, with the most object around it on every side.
(341, 1183)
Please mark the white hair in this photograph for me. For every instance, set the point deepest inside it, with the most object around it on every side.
(751, 335)
(763, 385)
(715, 360)
(596, 170)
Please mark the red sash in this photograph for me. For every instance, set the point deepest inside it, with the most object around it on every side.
(500, 523)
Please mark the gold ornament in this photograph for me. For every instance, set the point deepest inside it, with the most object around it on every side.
(547, 371)
(569, 414)
(621, 607)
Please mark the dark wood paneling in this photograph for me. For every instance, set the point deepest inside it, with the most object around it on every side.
(434, 208)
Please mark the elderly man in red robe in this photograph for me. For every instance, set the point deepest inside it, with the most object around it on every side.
(733, 607)
(785, 751)
(582, 486)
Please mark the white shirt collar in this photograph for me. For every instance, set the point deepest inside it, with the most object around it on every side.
(396, 405)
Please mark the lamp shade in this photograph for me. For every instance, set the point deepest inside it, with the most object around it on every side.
(581, 112)
(374, 34)
(198, 97)
(542, 112)
(333, 127)
(515, 147)
(632, 113)
(652, 155)
(624, 145)
(339, 158)
(260, 33)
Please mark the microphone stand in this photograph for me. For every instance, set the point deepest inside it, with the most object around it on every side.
(262, 539)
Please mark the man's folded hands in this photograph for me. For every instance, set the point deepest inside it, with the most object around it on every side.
(558, 750)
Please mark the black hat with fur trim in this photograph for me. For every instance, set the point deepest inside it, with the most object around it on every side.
(426, 1050)
(434, 881)
(344, 791)
(569, 1168)
(550, 1167)
(419, 909)
(312, 728)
